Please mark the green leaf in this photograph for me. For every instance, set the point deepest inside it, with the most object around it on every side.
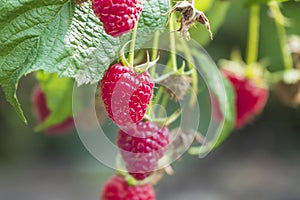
(57, 36)
(58, 92)
(223, 90)
(229, 114)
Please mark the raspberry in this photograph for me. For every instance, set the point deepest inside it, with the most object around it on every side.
(126, 94)
(117, 16)
(141, 146)
(116, 188)
(42, 112)
(250, 97)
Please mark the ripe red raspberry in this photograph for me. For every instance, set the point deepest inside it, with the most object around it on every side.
(117, 189)
(42, 111)
(117, 16)
(126, 94)
(141, 146)
(251, 97)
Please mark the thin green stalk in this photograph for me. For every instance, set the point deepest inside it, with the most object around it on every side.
(153, 57)
(160, 91)
(253, 37)
(132, 45)
(154, 50)
(287, 58)
(194, 75)
(159, 94)
(172, 43)
(173, 58)
(164, 103)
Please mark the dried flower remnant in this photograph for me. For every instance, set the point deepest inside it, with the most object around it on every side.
(189, 16)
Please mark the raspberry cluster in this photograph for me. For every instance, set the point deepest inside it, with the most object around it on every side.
(126, 95)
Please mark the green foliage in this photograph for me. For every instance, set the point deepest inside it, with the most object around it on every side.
(57, 36)
(228, 112)
(223, 91)
(226, 100)
(58, 93)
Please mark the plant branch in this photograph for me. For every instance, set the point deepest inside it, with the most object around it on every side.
(154, 51)
(132, 45)
(172, 44)
(253, 37)
(194, 75)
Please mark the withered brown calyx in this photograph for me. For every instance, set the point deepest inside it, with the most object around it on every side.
(189, 15)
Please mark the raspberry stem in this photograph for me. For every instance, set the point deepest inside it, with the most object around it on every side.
(122, 53)
(279, 22)
(253, 37)
(194, 74)
(132, 45)
(154, 51)
(164, 103)
(173, 58)
(172, 43)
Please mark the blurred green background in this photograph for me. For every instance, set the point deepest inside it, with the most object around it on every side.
(259, 162)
